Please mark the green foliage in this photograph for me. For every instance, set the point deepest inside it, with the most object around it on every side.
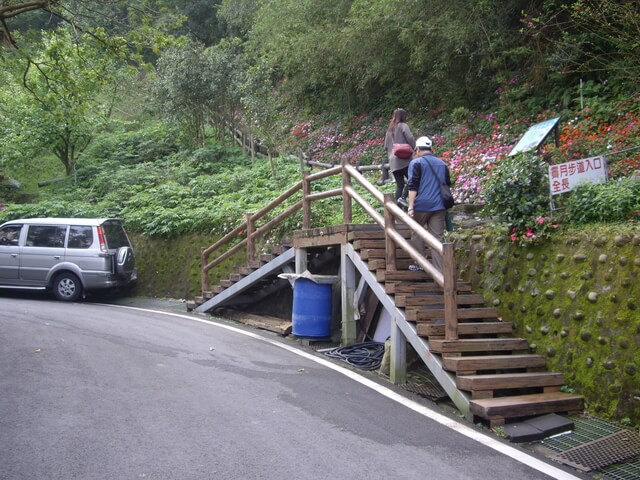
(183, 90)
(135, 144)
(516, 190)
(60, 101)
(614, 201)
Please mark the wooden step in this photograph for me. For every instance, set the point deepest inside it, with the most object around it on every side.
(550, 381)
(217, 289)
(417, 300)
(402, 276)
(369, 243)
(246, 271)
(476, 328)
(376, 234)
(479, 363)
(497, 409)
(369, 253)
(191, 305)
(393, 288)
(381, 263)
(478, 345)
(226, 283)
(417, 314)
(235, 277)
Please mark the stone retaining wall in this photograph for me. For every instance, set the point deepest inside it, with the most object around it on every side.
(575, 299)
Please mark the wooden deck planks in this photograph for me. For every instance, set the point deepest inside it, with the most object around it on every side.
(471, 328)
(478, 363)
(478, 345)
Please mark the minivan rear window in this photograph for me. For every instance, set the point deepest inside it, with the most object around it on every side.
(46, 236)
(115, 235)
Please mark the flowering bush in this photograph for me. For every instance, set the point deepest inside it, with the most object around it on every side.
(541, 229)
(359, 141)
(474, 145)
(516, 192)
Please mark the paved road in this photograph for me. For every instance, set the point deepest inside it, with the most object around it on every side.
(98, 392)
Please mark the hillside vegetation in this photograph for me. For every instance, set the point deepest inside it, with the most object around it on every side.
(129, 103)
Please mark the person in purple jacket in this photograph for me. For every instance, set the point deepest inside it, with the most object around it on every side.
(426, 173)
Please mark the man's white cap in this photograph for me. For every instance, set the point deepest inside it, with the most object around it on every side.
(423, 142)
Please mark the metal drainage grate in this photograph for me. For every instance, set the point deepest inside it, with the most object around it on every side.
(625, 471)
(614, 448)
(586, 429)
(428, 389)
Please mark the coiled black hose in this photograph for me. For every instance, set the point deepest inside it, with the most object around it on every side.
(366, 356)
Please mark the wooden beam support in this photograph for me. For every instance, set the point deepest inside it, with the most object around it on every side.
(348, 298)
(398, 369)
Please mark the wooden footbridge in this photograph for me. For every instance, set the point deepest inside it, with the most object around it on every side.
(487, 372)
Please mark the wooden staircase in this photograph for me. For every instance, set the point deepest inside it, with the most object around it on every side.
(250, 284)
(504, 380)
(486, 371)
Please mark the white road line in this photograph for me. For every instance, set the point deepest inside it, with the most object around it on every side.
(480, 437)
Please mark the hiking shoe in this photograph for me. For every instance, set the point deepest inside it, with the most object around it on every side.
(402, 202)
(415, 268)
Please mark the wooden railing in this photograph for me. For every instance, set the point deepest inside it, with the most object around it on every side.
(387, 220)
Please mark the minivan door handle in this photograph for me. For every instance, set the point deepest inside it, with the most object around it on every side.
(57, 257)
(14, 255)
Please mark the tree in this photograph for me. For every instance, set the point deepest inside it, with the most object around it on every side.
(183, 88)
(57, 97)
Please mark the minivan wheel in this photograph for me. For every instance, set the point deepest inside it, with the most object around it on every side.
(67, 287)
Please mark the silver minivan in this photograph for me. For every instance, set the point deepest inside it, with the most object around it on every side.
(69, 256)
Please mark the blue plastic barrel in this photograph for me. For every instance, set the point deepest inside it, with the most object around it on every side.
(311, 316)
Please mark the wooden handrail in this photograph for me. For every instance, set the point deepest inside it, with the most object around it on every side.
(392, 213)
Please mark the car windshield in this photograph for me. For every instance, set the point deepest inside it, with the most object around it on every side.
(115, 235)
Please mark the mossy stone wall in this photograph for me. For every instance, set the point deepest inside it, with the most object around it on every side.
(576, 300)
(170, 268)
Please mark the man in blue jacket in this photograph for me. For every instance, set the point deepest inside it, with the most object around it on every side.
(426, 173)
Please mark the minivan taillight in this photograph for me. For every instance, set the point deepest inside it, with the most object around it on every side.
(103, 243)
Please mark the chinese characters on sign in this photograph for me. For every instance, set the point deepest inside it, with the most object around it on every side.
(564, 177)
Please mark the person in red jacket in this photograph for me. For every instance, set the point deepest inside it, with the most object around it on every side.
(399, 132)
(426, 173)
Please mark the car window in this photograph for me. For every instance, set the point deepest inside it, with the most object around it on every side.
(115, 235)
(80, 236)
(46, 236)
(10, 234)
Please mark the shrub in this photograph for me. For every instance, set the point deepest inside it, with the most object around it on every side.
(517, 192)
(613, 201)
